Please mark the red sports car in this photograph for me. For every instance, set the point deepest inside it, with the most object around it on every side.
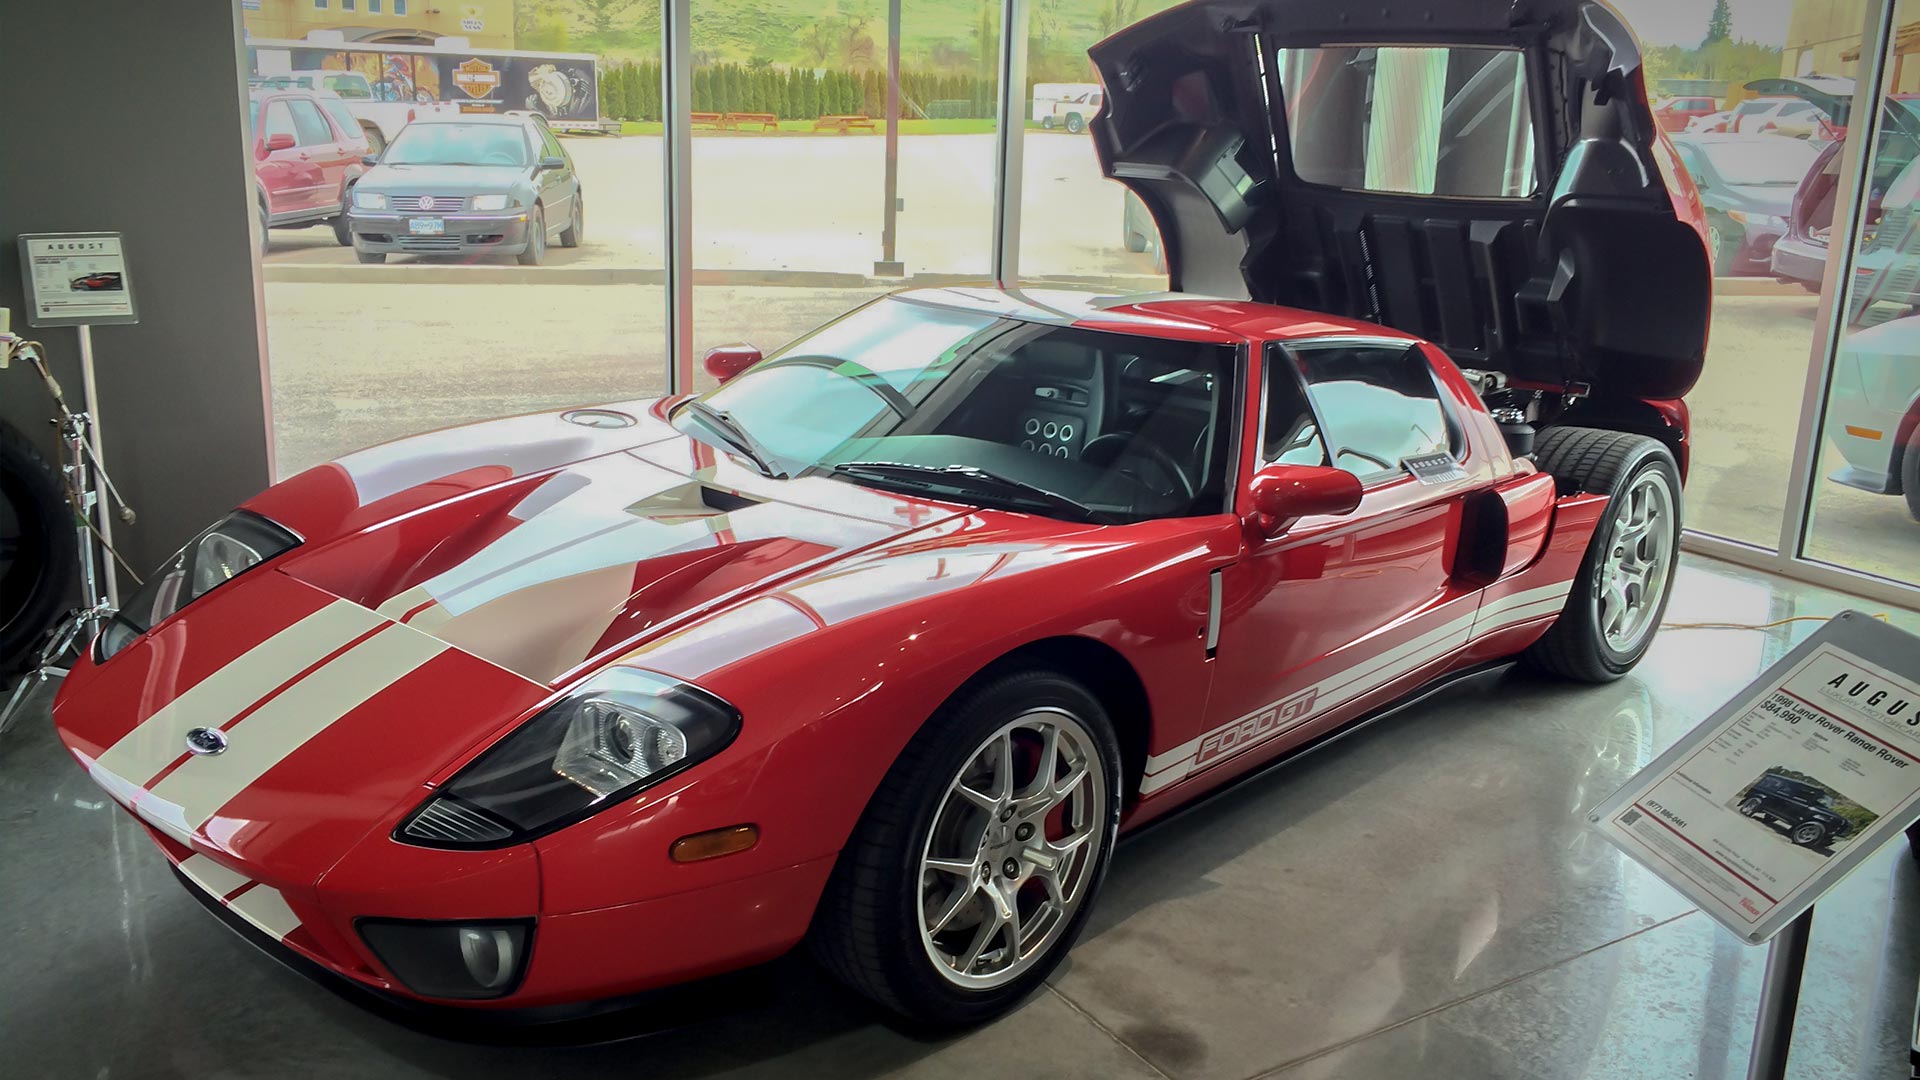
(882, 643)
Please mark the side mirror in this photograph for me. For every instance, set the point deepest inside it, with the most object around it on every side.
(726, 361)
(552, 161)
(1283, 494)
(370, 160)
(279, 141)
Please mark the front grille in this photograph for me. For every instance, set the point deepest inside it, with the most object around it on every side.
(439, 204)
(430, 243)
(447, 821)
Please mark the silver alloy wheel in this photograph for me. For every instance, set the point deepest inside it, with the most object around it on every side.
(1713, 245)
(1012, 849)
(1633, 573)
(1808, 834)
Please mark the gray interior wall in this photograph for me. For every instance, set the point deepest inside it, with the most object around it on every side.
(128, 115)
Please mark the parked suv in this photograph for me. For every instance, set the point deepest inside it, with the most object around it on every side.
(1805, 810)
(307, 151)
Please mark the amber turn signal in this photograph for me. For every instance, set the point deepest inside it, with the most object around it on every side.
(714, 843)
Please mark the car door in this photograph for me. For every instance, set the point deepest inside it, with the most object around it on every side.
(319, 151)
(287, 173)
(1338, 607)
(558, 187)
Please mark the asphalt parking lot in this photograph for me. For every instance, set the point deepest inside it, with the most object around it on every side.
(361, 354)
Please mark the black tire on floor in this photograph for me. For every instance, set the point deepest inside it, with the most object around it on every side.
(866, 931)
(38, 560)
(342, 234)
(576, 225)
(1910, 473)
(1610, 462)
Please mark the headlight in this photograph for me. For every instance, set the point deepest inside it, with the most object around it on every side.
(621, 731)
(491, 202)
(369, 200)
(235, 545)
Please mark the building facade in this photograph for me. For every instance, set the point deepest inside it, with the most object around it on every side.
(487, 24)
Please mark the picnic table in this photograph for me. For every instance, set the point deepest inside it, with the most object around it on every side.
(845, 123)
(736, 120)
(711, 119)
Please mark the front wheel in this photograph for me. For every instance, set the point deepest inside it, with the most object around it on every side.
(1046, 122)
(576, 225)
(978, 860)
(342, 233)
(1620, 592)
(1075, 125)
(536, 250)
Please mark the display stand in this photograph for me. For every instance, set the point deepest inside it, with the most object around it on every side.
(1779, 1000)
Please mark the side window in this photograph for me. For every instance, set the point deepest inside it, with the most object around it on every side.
(1292, 435)
(551, 142)
(1381, 405)
(343, 119)
(309, 127)
(279, 120)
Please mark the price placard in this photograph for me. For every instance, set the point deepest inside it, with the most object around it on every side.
(1762, 808)
(76, 279)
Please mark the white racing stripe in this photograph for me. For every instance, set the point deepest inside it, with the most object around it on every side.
(157, 741)
(211, 876)
(267, 909)
(203, 784)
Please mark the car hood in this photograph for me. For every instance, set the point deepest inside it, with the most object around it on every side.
(364, 663)
(445, 179)
(1553, 287)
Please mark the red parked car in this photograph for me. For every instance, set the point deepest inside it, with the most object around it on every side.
(1675, 113)
(307, 152)
(882, 643)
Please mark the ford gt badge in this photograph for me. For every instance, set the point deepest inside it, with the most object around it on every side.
(206, 740)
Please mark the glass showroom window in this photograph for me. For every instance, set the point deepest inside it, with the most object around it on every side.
(791, 207)
(1767, 187)
(483, 264)
(1078, 228)
(1865, 512)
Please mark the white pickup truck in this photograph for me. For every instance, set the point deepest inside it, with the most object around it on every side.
(381, 120)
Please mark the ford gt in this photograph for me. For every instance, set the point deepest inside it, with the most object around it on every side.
(881, 644)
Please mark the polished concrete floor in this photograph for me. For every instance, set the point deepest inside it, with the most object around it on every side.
(1422, 899)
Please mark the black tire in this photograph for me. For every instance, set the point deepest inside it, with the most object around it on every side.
(1910, 473)
(1809, 834)
(536, 251)
(866, 932)
(1722, 247)
(370, 258)
(1046, 122)
(263, 230)
(1613, 462)
(1751, 807)
(38, 561)
(1075, 124)
(576, 224)
(341, 233)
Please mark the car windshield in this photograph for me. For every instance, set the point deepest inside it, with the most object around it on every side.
(1762, 160)
(979, 408)
(458, 144)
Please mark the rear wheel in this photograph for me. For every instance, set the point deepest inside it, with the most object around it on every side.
(376, 142)
(37, 556)
(576, 225)
(1075, 124)
(1809, 834)
(1751, 807)
(1621, 591)
(1047, 122)
(978, 860)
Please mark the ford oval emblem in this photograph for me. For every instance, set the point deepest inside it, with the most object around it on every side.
(206, 740)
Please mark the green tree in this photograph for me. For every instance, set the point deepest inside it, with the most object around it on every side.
(601, 13)
(1719, 24)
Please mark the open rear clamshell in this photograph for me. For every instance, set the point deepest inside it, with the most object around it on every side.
(1487, 176)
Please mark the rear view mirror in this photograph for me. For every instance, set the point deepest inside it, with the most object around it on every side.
(726, 361)
(370, 160)
(1283, 494)
(279, 141)
(552, 161)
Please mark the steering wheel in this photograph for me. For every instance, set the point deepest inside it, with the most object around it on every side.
(1115, 446)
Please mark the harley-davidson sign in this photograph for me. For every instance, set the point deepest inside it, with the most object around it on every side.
(476, 77)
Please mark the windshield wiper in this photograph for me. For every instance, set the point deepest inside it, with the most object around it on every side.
(722, 424)
(967, 479)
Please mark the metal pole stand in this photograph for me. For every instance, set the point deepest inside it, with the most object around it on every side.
(82, 623)
(1779, 1000)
